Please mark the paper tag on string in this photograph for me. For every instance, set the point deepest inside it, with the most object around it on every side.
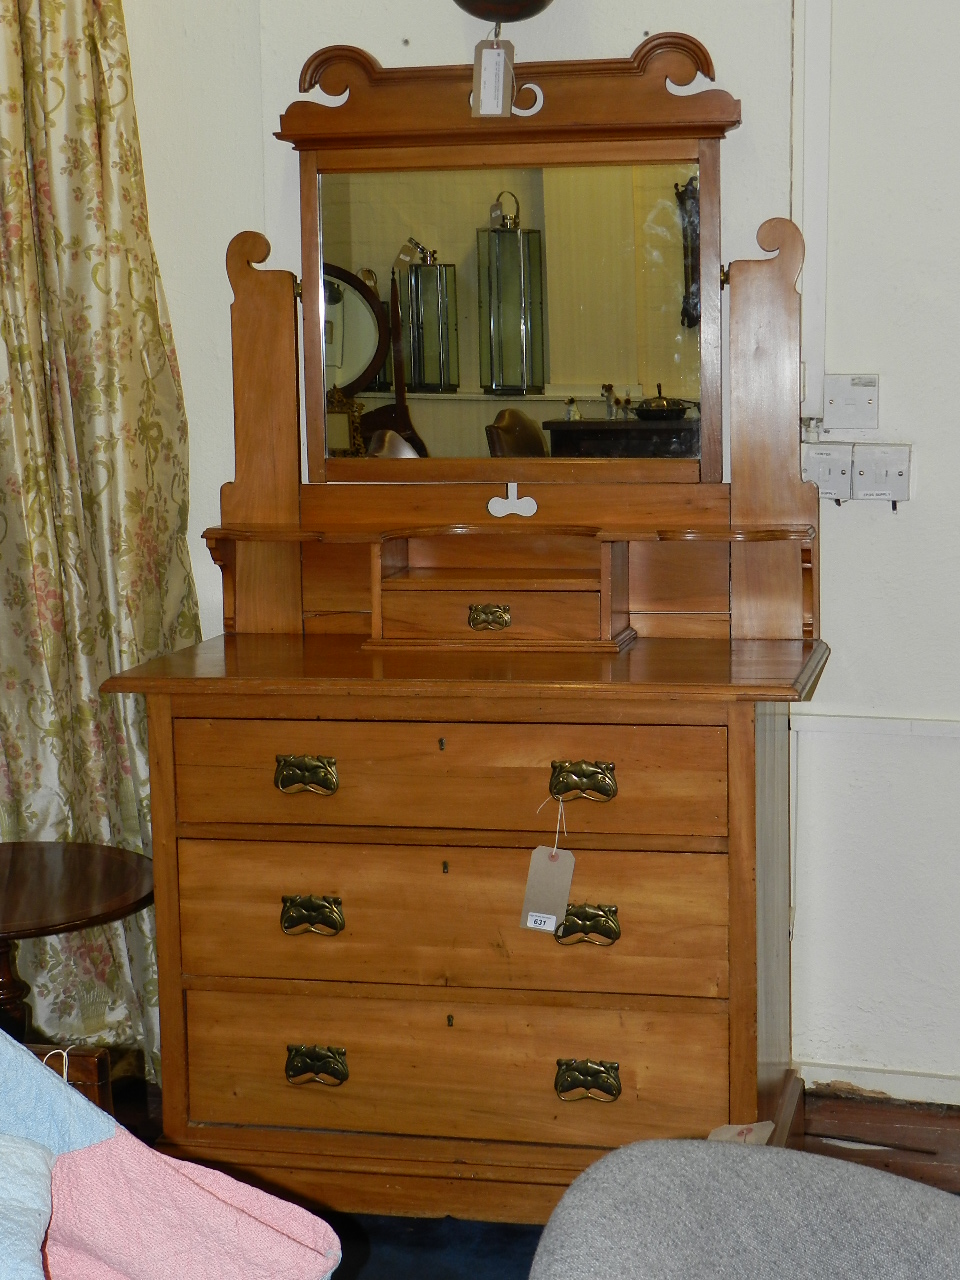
(548, 888)
(493, 78)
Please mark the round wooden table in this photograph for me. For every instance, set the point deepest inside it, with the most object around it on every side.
(50, 887)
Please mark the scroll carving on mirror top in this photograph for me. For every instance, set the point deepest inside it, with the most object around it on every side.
(618, 98)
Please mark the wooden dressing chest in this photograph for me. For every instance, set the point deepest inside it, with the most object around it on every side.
(347, 785)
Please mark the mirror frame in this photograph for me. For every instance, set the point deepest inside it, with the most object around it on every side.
(383, 328)
(367, 118)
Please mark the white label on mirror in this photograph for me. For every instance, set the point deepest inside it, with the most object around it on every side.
(511, 505)
(495, 84)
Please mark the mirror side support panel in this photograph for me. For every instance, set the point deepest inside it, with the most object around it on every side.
(774, 583)
(266, 588)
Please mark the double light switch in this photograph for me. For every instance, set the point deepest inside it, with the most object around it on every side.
(842, 471)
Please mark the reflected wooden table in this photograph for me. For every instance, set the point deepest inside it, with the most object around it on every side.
(50, 887)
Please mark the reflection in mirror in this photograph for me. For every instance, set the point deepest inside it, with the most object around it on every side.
(619, 266)
(356, 331)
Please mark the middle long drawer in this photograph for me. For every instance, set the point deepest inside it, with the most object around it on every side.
(450, 916)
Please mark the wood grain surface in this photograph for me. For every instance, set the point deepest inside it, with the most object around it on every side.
(671, 779)
(489, 1074)
(651, 670)
(451, 916)
(54, 887)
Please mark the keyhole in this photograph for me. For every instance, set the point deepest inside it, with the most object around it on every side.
(443, 744)
(449, 1019)
(446, 868)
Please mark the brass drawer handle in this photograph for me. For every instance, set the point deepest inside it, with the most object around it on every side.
(489, 617)
(306, 913)
(306, 773)
(583, 1078)
(582, 780)
(316, 1064)
(585, 923)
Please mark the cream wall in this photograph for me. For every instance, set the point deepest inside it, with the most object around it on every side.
(876, 953)
(196, 78)
(877, 948)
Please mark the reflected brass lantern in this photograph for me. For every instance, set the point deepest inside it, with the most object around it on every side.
(510, 270)
(428, 307)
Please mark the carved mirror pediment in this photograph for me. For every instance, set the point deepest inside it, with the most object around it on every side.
(617, 179)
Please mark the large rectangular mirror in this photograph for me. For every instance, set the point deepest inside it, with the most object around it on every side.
(573, 319)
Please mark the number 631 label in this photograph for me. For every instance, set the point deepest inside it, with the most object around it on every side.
(548, 888)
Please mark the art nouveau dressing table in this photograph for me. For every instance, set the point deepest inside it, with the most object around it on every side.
(421, 654)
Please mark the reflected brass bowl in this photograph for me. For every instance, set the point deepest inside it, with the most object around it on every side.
(503, 10)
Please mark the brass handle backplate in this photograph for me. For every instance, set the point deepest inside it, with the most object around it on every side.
(489, 617)
(316, 1064)
(306, 773)
(583, 1078)
(586, 923)
(306, 913)
(582, 780)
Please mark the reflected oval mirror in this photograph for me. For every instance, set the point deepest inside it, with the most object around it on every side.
(356, 331)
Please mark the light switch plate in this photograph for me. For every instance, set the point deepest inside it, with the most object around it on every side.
(851, 402)
(829, 467)
(881, 471)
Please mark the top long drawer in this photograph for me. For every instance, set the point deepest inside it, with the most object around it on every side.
(666, 779)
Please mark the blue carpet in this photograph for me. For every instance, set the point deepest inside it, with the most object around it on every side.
(377, 1248)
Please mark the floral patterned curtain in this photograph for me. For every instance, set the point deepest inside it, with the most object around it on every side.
(94, 569)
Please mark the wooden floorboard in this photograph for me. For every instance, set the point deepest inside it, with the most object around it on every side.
(913, 1139)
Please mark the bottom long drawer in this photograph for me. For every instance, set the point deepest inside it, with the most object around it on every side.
(459, 1069)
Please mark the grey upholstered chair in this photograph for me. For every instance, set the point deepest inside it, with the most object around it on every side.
(692, 1210)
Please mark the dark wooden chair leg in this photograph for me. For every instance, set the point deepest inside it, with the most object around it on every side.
(14, 1010)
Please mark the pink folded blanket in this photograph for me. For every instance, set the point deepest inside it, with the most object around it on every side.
(124, 1212)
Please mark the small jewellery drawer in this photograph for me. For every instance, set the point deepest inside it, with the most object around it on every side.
(640, 779)
(640, 922)
(473, 615)
(449, 1068)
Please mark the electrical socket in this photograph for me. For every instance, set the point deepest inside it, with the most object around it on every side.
(829, 467)
(881, 471)
(851, 402)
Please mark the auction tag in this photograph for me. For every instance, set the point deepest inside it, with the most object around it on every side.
(493, 78)
(548, 888)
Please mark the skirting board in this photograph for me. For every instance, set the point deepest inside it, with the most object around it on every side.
(908, 1086)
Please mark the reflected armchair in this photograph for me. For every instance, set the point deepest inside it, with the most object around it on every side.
(514, 435)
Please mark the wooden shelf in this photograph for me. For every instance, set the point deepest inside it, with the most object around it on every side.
(261, 533)
(295, 533)
(804, 533)
(655, 670)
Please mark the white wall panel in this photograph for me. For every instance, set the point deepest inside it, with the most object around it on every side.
(876, 950)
